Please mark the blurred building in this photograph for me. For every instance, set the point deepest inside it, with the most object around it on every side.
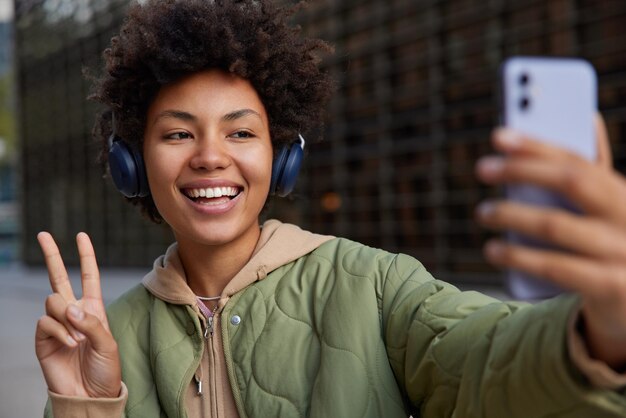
(9, 214)
(416, 102)
(63, 190)
(6, 46)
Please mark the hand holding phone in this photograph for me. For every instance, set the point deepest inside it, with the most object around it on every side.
(553, 100)
(589, 254)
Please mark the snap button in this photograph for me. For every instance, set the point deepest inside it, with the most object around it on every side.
(191, 328)
(235, 320)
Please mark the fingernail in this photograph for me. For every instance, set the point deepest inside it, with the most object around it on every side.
(72, 342)
(485, 209)
(509, 138)
(489, 166)
(79, 336)
(494, 249)
(76, 312)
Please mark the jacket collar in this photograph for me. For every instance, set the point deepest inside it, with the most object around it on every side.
(279, 244)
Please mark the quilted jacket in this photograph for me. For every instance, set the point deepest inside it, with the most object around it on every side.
(351, 331)
(337, 329)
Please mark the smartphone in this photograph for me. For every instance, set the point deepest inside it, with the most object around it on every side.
(554, 100)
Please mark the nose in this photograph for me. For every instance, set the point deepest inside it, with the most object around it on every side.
(210, 153)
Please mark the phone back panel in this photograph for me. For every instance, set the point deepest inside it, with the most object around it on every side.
(562, 101)
(552, 99)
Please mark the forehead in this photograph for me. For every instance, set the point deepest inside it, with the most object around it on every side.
(207, 93)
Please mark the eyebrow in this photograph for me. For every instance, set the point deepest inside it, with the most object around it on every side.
(176, 114)
(240, 114)
(186, 116)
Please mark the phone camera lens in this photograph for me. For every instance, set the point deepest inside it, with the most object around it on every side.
(524, 103)
(524, 79)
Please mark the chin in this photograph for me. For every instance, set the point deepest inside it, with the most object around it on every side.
(222, 234)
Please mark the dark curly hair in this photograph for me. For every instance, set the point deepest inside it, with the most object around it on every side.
(162, 41)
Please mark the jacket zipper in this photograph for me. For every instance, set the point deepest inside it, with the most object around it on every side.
(212, 378)
(209, 327)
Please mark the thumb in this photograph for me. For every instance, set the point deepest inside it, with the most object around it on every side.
(99, 336)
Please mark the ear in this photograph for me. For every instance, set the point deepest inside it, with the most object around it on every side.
(605, 157)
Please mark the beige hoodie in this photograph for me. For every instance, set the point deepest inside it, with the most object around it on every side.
(278, 245)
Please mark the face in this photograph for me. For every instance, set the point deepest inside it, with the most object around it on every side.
(208, 157)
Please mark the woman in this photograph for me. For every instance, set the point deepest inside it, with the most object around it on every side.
(238, 319)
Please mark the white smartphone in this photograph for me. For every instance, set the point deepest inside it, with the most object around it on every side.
(555, 100)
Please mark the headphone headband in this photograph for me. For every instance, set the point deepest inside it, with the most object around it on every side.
(302, 141)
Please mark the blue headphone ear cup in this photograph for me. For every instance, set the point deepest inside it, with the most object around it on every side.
(127, 170)
(142, 177)
(277, 168)
(291, 171)
(285, 170)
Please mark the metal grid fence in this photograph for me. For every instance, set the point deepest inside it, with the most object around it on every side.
(416, 102)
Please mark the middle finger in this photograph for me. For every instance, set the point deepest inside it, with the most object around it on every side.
(90, 274)
(583, 235)
(595, 190)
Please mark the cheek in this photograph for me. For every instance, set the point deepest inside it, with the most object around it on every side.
(258, 166)
(265, 170)
(161, 171)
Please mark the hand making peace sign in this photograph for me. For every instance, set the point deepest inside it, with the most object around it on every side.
(74, 346)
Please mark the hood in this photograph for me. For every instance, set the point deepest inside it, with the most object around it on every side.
(279, 244)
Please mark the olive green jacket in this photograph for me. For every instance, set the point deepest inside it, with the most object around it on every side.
(351, 331)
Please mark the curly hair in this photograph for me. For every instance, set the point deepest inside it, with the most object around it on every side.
(162, 41)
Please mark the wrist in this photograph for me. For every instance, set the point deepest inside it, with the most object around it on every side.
(112, 393)
(603, 345)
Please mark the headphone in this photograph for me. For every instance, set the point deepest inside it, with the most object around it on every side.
(129, 172)
(285, 168)
(127, 167)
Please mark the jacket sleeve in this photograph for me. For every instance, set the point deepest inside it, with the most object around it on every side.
(463, 354)
(80, 407)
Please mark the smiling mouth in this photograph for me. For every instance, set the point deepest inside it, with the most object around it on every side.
(213, 195)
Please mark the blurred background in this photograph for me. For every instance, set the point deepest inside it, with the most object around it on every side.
(416, 102)
(9, 225)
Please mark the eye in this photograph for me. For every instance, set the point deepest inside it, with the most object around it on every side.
(178, 135)
(242, 135)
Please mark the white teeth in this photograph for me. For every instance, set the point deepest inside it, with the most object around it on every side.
(212, 192)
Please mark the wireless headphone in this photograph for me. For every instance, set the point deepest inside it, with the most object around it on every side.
(285, 168)
(127, 167)
(129, 172)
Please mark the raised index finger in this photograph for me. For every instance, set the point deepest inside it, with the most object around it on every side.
(90, 275)
(59, 280)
